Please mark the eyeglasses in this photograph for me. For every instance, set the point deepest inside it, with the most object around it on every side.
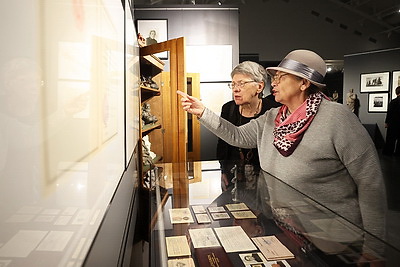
(277, 78)
(239, 85)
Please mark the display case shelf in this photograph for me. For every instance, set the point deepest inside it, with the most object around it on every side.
(153, 61)
(148, 92)
(150, 127)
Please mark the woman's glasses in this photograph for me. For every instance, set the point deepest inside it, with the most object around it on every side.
(277, 78)
(240, 85)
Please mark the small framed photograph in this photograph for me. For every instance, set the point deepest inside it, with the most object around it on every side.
(253, 258)
(374, 82)
(378, 102)
(154, 31)
(216, 209)
(395, 83)
(220, 216)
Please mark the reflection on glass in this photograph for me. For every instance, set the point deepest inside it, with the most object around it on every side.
(62, 127)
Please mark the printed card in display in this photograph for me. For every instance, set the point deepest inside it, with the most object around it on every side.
(181, 215)
(236, 206)
(220, 216)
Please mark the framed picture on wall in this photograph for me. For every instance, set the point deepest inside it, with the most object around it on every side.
(378, 102)
(154, 31)
(395, 83)
(374, 82)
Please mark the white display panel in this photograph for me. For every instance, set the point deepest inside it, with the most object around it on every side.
(215, 95)
(62, 127)
(213, 62)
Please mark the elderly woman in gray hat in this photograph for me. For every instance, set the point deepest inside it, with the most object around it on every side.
(310, 143)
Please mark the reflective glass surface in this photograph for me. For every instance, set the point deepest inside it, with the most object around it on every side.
(313, 233)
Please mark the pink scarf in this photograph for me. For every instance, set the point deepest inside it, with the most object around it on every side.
(289, 129)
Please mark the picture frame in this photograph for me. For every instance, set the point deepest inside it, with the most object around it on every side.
(374, 82)
(154, 31)
(395, 83)
(378, 102)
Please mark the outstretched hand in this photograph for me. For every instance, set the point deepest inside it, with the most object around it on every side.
(191, 104)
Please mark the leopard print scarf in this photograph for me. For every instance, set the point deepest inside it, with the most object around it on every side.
(289, 129)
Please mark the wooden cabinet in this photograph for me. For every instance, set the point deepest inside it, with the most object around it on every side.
(168, 135)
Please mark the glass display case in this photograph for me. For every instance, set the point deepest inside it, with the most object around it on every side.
(271, 224)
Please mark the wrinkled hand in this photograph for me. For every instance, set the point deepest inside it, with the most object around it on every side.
(191, 104)
(224, 181)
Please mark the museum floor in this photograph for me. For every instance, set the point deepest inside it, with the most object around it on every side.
(391, 171)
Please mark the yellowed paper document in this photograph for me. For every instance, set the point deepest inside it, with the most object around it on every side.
(184, 262)
(177, 246)
(203, 238)
(181, 215)
(236, 206)
(272, 248)
(244, 214)
(234, 239)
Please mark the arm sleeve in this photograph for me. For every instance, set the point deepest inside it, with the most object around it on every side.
(358, 153)
(244, 136)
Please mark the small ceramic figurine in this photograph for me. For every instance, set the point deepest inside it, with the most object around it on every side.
(147, 117)
(148, 82)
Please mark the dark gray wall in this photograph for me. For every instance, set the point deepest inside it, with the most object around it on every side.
(369, 62)
(273, 28)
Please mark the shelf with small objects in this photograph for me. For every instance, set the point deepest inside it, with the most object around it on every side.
(163, 127)
(151, 114)
(151, 68)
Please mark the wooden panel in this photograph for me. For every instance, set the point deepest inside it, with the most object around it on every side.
(168, 126)
(194, 154)
(156, 48)
(181, 182)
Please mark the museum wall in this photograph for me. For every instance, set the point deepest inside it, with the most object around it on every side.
(365, 63)
(279, 26)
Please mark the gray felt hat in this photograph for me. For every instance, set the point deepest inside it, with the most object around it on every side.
(303, 63)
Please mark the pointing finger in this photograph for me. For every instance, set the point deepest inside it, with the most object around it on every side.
(182, 94)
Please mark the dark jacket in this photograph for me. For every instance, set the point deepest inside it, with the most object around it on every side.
(393, 113)
(229, 155)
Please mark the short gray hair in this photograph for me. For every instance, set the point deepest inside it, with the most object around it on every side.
(252, 69)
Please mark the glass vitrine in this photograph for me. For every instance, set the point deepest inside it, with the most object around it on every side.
(313, 234)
